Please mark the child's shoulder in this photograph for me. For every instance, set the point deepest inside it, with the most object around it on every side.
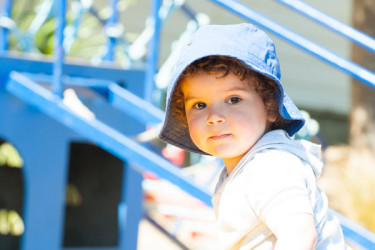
(275, 156)
(275, 161)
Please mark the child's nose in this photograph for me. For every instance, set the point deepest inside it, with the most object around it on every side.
(215, 118)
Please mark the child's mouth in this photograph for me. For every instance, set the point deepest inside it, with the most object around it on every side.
(219, 137)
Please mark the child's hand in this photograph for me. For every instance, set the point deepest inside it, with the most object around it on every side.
(297, 232)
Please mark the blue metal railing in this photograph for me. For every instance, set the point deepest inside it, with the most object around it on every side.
(120, 145)
(123, 147)
(105, 136)
(139, 109)
(343, 64)
(347, 31)
(355, 234)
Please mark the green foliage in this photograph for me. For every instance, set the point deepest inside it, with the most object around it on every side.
(9, 156)
(89, 39)
(11, 223)
(87, 43)
(44, 38)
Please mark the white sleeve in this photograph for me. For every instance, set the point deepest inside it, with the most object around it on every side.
(276, 187)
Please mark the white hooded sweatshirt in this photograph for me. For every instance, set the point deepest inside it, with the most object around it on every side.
(274, 180)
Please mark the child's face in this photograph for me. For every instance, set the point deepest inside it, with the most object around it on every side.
(225, 116)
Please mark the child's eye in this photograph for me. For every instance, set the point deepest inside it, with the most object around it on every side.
(199, 105)
(233, 100)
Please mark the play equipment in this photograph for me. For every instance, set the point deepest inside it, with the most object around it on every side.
(47, 106)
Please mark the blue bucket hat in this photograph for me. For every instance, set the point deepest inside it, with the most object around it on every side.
(244, 42)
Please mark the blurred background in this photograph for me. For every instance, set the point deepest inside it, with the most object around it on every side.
(82, 89)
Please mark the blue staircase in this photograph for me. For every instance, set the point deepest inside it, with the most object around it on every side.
(41, 126)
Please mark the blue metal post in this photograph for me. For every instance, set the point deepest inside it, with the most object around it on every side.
(45, 156)
(345, 30)
(5, 12)
(57, 86)
(345, 65)
(130, 209)
(153, 52)
(111, 22)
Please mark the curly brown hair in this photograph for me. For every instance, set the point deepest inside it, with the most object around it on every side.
(222, 66)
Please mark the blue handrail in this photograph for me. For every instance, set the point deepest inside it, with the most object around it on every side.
(343, 64)
(104, 135)
(139, 109)
(124, 147)
(347, 31)
(354, 233)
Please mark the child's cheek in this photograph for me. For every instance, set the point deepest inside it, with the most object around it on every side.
(194, 124)
(196, 128)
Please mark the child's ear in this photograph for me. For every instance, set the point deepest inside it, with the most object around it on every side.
(271, 117)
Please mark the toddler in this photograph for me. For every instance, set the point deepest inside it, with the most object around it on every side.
(226, 99)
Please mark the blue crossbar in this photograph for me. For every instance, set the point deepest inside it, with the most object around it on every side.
(103, 135)
(139, 109)
(343, 64)
(345, 30)
(119, 97)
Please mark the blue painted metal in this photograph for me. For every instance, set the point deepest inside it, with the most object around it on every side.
(43, 145)
(111, 23)
(153, 52)
(347, 31)
(57, 86)
(356, 234)
(70, 81)
(95, 75)
(139, 109)
(345, 65)
(5, 13)
(112, 137)
(132, 197)
(106, 137)
(45, 179)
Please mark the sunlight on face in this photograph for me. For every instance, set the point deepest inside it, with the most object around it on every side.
(225, 116)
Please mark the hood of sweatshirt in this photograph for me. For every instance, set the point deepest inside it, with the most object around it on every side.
(280, 140)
